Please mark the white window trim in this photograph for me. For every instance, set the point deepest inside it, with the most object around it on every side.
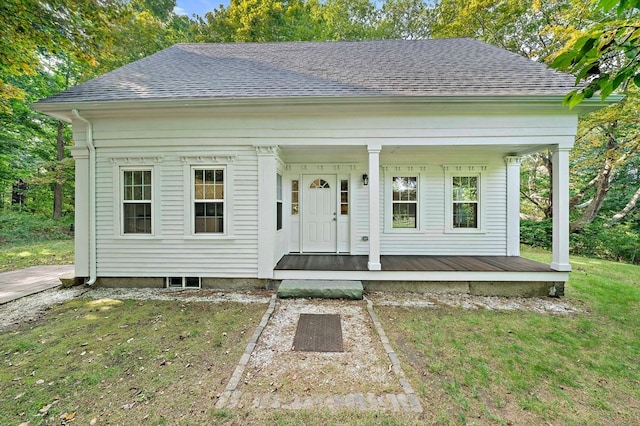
(120, 165)
(394, 171)
(208, 162)
(464, 170)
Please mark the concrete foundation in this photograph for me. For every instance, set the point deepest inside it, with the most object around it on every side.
(479, 288)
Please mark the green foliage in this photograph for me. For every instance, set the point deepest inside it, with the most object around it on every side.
(619, 242)
(536, 233)
(605, 56)
(19, 227)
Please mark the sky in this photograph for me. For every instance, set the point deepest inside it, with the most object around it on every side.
(198, 7)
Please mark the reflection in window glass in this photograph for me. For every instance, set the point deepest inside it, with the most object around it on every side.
(208, 194)
(344, 197)
(465, 201)
(136, 202)
(294, 197)
(405, 202)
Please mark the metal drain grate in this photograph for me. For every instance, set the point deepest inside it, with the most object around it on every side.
(318, 333)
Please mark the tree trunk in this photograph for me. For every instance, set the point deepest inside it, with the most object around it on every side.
(630, 206)
(602, 183)
(57, 190)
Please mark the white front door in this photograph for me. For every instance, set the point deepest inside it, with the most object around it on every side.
(319, 213)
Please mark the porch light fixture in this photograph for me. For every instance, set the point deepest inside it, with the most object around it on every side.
(365, 179)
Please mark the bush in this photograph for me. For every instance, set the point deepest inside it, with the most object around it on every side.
(20, 227)
(618, 242)
(536, 233)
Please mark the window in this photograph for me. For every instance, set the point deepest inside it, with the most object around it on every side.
(184, 282)
(278, 202)
(405, 202)
(465, 201)
(136, 201)
(208, 200)
(344, 197)
(295, 200)
(319, 183)
(464, 198)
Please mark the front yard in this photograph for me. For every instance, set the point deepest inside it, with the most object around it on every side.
(165, 362)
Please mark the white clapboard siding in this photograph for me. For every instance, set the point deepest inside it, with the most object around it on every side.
(431, 238)
(168, 251)
(423, 136)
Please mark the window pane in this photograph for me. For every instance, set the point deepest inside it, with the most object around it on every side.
(404, 215)
(137, 218)
(344, 209)
(208, 192)
(278, 215)
(209, 176)
(465, 188)
(219, 176)
(278, 187)
(209, 217)
(465, 215)
(294, 185)
(219, 192)
(344, 185)
(404, 188)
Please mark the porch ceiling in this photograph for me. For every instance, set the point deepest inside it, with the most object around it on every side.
(358, 153)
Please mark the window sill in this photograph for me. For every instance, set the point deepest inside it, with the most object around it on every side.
(465, 231)
(404, 231)
(209, 237)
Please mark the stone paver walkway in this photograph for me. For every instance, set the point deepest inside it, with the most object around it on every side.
(235, 397)
(17, 284)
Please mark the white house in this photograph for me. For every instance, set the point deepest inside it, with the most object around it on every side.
(382, 161)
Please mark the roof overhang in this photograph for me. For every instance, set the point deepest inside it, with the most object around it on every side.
(441, 104)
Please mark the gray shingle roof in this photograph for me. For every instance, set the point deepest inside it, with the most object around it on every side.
(448, 67)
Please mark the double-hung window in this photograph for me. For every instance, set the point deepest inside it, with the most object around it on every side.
(136, 201)
(404, 202)
(464, 203)
(208, 200)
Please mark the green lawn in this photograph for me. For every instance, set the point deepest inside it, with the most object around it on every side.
(487, 367)
(22, 255)
(158, 362)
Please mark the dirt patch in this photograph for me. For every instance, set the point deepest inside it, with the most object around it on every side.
(546, 305)
(31, 308)
(363, 366)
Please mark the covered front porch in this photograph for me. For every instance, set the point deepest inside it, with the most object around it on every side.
(416, 268)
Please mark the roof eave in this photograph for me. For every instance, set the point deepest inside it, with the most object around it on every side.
(62, 110)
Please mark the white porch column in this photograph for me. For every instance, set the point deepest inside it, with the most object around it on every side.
(513, 205)
(81, 222)
(374, 207)
(267, 169)
(560, 187)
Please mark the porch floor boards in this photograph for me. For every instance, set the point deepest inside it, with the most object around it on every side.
(333, 262)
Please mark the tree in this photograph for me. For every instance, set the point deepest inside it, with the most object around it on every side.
(31, 29)
(606, 56)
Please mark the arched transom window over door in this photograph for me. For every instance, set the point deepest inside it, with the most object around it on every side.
(319, 183)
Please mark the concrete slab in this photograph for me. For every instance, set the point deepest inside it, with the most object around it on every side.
(23, 282)
(328, 289)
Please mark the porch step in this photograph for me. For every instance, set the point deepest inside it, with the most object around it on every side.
(326, 289)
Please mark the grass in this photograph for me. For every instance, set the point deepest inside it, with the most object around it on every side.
(155, 362)
(122, 362)
(23, 255)
(486, 367)
(30, 240)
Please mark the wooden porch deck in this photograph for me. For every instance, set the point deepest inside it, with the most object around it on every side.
(332, 262)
